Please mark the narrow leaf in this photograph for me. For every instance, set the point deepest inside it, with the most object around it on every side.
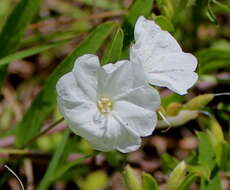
(14, 29)
(114, 49)
(46, 180)
(29, 52)
(67, 166)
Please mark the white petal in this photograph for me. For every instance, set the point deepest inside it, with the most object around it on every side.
(119, 78)
(174, 71)
(138, 119)
(86, 72)
(151, 41)
(164, 62)
(143, 96)
(84, 120)
(117, 137)
(114, 81)
(111, 67)
(69, 92)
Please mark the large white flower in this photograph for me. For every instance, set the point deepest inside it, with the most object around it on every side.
(164, 62)
(110, 106)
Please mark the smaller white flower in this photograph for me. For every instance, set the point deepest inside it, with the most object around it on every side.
(110, 106)
(164, 62)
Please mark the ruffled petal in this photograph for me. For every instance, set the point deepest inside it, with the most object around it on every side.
(84, 120)
(151, 41)
(115, 79)
(143, 96)
(86, 73)
(119, 78)
(164, 62)
(136, 118)
(117, 137)
(69, 92)
(175, 72)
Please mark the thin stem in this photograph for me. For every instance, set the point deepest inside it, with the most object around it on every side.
(11, 171)
(222, 94)
(43, 132)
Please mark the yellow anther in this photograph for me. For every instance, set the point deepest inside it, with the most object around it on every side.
(104, 105)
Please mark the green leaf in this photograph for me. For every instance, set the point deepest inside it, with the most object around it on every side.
(171, 98)
(200, 170)
(138, 8)
(114, 49)
(206, 154)
(45, 101)
(177, 176)
(168, 162)
(132, 182)
(210, 14)
(29, 52)
(46, 180)
(149, 183)
(213, 59)
(63, 169)
(187, 182)
(14, 29)
(213, 184)
(164, 23)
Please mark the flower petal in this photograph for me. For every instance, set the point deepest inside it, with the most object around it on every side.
(175, 71)
(164, 62)
(151, 41)
(85, 71)
(119, 78)
(117, 137)
(114, 80)
(151, 100)
(69, 92)
(136, 118)
(84, 120)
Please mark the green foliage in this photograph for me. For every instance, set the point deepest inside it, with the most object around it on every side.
(168, 162)
(164, 23)
(14, 29)
(131, 180)
(114, 49)
(149, 183)
(46, 180)
(61, 171)
(206, 154)
(211, 60)
(138, 8)
(46, 99)
(177, 176)
(95, 180)
(29, 52)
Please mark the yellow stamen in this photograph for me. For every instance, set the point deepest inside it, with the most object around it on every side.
(104, 105)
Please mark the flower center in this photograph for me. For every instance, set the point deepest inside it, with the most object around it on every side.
(104, 105)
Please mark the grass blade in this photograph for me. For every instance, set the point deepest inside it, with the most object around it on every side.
(46, 180)
(29, 52)
(14, 29)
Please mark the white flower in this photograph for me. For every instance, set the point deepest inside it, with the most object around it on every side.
(110, 106)
(164, 62)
